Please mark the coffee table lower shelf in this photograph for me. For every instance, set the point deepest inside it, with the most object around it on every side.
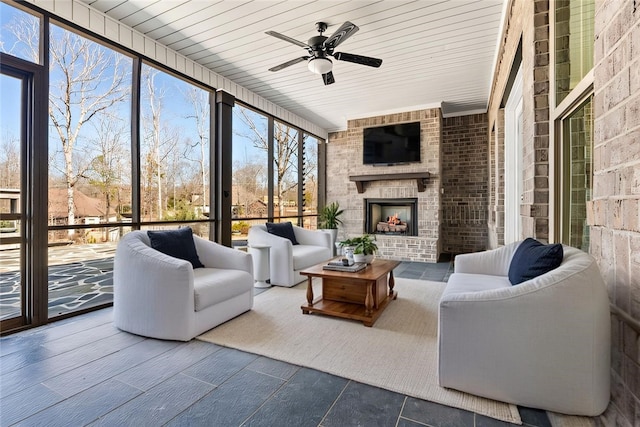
(348, 310)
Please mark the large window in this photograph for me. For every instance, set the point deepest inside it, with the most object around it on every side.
(285, 171)
(310, 183)
(174, 148)
(89, 167)
(250, 169)
(275, 174)
(573, 115)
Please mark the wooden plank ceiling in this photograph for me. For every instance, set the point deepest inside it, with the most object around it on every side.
(433, 51)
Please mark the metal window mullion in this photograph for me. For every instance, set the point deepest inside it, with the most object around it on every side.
(270, 167)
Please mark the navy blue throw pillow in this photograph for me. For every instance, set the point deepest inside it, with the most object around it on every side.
(533, 259)
(176, 243)
(282, 229)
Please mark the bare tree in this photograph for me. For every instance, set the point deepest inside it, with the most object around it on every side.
(26, 30)
(249, 181)
(199, 99)
(109, 166)
(10, 162)
(85, 79)
(160, 141)
(310, 170)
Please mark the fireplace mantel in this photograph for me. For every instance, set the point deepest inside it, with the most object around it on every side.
(360, 180)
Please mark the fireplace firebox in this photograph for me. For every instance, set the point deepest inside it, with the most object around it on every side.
(391, 216)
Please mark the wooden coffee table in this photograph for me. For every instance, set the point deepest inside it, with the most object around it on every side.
(359, 296)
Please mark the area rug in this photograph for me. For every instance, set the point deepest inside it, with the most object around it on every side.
(399, 353)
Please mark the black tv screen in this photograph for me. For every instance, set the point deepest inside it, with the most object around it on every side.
(392, 144)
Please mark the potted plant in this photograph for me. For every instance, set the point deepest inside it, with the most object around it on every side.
(365, 248)
(347, 247)
(328, 219)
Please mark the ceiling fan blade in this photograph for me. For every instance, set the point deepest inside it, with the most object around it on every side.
(286, 38)
(288, 63)
(341, 34)
(358, 59)
(328, 78)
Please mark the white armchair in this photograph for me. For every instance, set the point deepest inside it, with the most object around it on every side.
(286, 259)
(543, 343)
(158, 296)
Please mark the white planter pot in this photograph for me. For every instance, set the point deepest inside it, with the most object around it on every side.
(333, 232)
(363, 258)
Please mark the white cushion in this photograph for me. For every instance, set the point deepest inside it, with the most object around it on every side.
(305, 256)
(214, 285)
(468, 282)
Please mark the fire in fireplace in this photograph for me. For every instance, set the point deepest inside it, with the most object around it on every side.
(391, 216)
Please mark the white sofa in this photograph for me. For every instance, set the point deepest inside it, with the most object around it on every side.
(544, 343)
(286, 260)
(158, 296)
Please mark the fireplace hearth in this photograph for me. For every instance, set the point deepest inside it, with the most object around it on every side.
(391, 216)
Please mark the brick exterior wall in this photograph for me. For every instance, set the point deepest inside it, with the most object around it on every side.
(613, 213)
(465, 176)
(537, 210)
(528, 21)
(344, 158)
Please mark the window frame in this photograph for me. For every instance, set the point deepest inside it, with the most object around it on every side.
(557, 114)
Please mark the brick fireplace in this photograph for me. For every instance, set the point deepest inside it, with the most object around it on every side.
(349, 183)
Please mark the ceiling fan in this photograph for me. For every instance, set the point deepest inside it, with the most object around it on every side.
(320, 48)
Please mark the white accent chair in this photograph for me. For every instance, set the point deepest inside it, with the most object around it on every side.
(544, 343)
(159, 296)
(286, 260)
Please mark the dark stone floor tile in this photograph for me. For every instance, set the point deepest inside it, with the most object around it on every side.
(231, 403)
(364, 405)
(409, 275)
(153, 371)
(433, 277)
(84, 407)
(27, 339)
(258, 291)
(158, 405)
(220, 366)
(57, 365)
(20, 359)
(482, 421)
(79, 339)
(534, 417)
(301, 402)
(434, 414)
(24, 403)
(401, 268)
(272, 367)
(403, 422)
(97, 371)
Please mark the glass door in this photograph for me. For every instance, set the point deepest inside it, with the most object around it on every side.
(12, 267)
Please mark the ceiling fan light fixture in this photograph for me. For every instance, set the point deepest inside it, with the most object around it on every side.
(320, 65)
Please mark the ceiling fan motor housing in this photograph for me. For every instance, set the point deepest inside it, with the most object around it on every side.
(316, 46)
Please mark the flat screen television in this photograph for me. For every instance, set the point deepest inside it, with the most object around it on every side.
(392, 144)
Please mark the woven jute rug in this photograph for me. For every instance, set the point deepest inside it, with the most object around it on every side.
(399, 353)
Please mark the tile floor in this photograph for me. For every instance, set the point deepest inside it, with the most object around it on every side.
(83, 371)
